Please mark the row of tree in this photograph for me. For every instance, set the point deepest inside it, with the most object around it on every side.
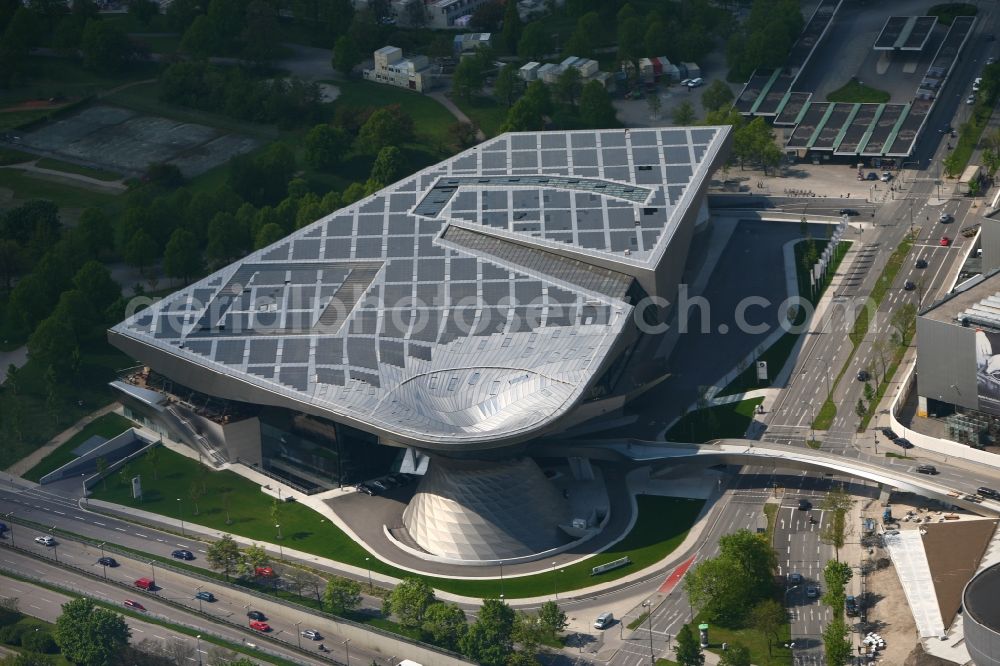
(765, 38)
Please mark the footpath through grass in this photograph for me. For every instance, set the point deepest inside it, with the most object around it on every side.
(64, 193)
(722, 421)
(69, 167)
(662, 525)
(855, 92)
(107, 426)
(487, 114)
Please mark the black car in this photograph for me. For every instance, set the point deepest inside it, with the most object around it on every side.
(889, 434)
(988, 492)
(909, 285)
(850, 606)
(183, 555)
(257, 615)
(371, 491)
(903, 443)
(864, 376)
(849, 211)
(927, 469)
(921, 263)
(871, 176)
(805, 505)
(108, 562)
(205, 596)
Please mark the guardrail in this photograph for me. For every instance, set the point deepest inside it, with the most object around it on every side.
(111, 548)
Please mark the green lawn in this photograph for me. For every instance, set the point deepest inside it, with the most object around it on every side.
(881, 288)
(69, 167)
(64, 194)
(159, 43)
(753, 640)
(28, 623)
(722, 421)
(46, 77)
(855, 92)
(107, 426)
(10, 120)
(662, 524)
(430, 119)
(485, 112)
(948, 11)
(11, 156)
(827, 413)
(40, 419)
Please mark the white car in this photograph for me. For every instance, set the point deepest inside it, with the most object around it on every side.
(976, 83)
(686, 82)
(971, 99)
(694, 83)
(45, 540)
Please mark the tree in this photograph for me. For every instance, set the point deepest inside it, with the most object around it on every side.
(683, 113)
(727, 586)
(735, 655)
(468, 77)
(596, 110)
(586, 36)
(53, 343)
(688, 648)
(28, 659)
(140, 251)
(387, 169)
(89, 635)
(388, 126)
(837, 502)
(487, 16)
(768, 617)
(508, 85)
(446, 624)
(224, 555)
(106, 47)
(836, 575)
(568, 86)
(523, 117)
(836, 647)
(341, 595)
(21, 34)
(512, 27)
(534, 42)
(143, 10)
(463, 134)
(346, 55)
(653, 101)
(268, 234)
(716, 96)
(260, 32)
(409, 601)
(227, 238)
(904, 321)
(489, 641)
(95, 283)
(182, 258)
(551, 618)
(325, 146)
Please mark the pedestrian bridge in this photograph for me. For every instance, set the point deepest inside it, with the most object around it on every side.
(888, 472)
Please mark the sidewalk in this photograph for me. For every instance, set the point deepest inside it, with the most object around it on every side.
(26, 463)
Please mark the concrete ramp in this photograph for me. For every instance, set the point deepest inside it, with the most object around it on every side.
(907, 552)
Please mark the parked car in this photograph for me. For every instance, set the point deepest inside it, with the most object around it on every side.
(604, 620)
(889, 434)
(107, 562)
(903, 443)
(257, 625)
(988, 492)
(864, 376)
(366, 489)
(945, 218)
(263, 572)
(805, 505)
(696, 82)
(927, 469)
(311, 634)
(183, 555)
(850, 606)
(128, 603)
(909, 285)
(256, 615)
(204, 596)
(978, 81)
(971, 99)
(145, 584)
(849, 211)
(921, 263)
(886, 177)
(945, 241)
(812, 591)
(872, 176)
(45, 540)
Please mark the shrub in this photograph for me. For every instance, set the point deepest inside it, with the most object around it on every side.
(39, 641)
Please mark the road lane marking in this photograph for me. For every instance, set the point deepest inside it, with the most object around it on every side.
(139, 630)
(101, 524)
(138, 534)
(119, 529)
(59, 512)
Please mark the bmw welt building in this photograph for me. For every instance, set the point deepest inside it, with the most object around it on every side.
(445, 322)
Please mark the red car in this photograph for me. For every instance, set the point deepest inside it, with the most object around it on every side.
(260, 626)
(264, 572)
(945, 241)
(133, 604)
(145, 584)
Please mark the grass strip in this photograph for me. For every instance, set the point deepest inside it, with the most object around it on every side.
(881, 288)
(69, 167)
(947, 12)
(856, 92)
(751, 639)
(637, 622)
(720, 421)
(771, 511)
(106, 426)
(827, 413)
(880, 391)
(208, 638)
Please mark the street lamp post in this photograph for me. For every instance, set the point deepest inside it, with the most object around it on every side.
(281, 551)
(83, 479)
(180, 515)
(10, 518)
(298, 634)
(371, 588)
(347, 651)
(152, 569)
(103, 562)
(501, 579)
(555, 590)
(649, 620)
(198, 638)
(55, 552)
(196, 591)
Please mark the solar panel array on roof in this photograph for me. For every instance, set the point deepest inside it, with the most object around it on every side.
(352, 314)
(905, 33)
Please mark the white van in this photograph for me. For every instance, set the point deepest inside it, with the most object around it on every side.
(604, 620)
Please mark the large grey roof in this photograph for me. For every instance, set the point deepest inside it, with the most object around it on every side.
(474, 301)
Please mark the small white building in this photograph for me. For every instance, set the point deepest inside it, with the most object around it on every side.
(529, 72)
(393, 69)
(444, 13)
(549, 73)
(470, 42)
